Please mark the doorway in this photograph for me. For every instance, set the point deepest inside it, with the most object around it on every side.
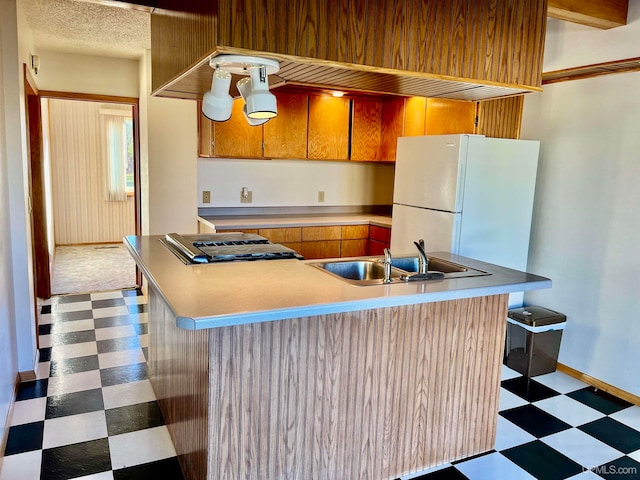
(91, 176)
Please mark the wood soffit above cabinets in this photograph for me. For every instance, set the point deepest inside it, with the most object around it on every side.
(471, 50)
(589, 71)
(320, 74)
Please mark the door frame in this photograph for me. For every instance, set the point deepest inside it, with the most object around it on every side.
(135, 104)
(41, 264)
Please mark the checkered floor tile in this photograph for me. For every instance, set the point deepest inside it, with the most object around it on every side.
(554, 427)
(93, 415)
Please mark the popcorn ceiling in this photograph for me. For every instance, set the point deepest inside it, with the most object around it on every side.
(87, 28)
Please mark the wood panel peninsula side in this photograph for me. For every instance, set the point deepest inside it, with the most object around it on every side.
(275, 369)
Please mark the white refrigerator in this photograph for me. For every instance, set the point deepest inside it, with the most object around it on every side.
(465, 194)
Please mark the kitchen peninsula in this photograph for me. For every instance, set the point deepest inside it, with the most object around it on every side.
(276, 369)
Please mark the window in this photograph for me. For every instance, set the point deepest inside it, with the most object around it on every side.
(118, 128)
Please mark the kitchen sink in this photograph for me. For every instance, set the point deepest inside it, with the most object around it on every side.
(358, 272)
(370, 271)
(410, 264)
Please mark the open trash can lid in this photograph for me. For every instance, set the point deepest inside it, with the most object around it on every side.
(536, 316)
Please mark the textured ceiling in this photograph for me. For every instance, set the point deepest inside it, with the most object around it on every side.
(86, 27)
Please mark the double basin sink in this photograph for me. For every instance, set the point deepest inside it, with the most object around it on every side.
(370, 271)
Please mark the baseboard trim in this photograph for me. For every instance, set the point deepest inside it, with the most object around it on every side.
(599, 384)
(30, 375)
(27, 376)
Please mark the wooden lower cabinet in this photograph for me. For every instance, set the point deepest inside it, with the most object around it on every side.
(281, 235)
(376, 247)
(379, 239)
(328, 241)
(316, 250)
(355, 248)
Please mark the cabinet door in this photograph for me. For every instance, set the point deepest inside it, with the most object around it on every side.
(205, 134)
(281, 235)
(450, 116)
(354, 248)
(366, 130)
(350, 232)
(235, 137)
(392, 128)
(328, 128)
(380, 234)
(312, 234)
(315, 250)
(414, 116)
(286, 135)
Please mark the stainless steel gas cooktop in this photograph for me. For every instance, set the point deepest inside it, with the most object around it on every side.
(225, 247)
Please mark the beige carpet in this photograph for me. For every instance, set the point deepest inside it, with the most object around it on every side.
(92, 268)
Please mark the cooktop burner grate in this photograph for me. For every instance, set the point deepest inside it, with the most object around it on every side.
(227, 247)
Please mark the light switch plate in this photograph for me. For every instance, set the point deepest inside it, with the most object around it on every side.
(206, 196)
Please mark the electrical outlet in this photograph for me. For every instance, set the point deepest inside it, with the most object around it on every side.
(320, 196)
(206, 196)
(246, 195)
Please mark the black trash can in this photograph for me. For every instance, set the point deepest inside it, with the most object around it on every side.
(533, 340)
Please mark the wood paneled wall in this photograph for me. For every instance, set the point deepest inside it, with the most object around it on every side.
(178, 370)
(369, 394)
(500, 118)
(482, 39)
(81, 213)
(498, 41)
(182, 33)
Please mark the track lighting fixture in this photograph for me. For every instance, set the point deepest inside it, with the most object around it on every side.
(217, 103)
(260, 104)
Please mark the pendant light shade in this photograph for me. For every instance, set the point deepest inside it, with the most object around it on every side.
(217, 103)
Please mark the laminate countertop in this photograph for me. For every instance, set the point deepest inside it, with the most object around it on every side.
(293, 220)
(222, 294)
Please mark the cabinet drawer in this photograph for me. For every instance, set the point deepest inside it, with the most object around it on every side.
(355, 231)
(311, 234)
(380, 234)
(314, 250)
(355, 248)
(281, 235)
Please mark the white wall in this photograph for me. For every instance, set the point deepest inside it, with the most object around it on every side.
(172, 138)
(66, 72)
(294, 182)
(8, 347)
(572, 45)
(15, 51)
(587, 218)
(17, 322)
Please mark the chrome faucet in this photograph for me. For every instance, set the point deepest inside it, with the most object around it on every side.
(387, 266)
(423, 260)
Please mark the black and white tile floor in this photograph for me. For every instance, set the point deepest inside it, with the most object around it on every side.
(92, 413)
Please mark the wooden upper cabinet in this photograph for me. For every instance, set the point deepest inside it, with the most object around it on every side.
(285, 136)
(449, 116)
(392, 127)
(414, 117)
(366, 129)
(205, 134)
(500, 118)
(328, 128)
(235, 137)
